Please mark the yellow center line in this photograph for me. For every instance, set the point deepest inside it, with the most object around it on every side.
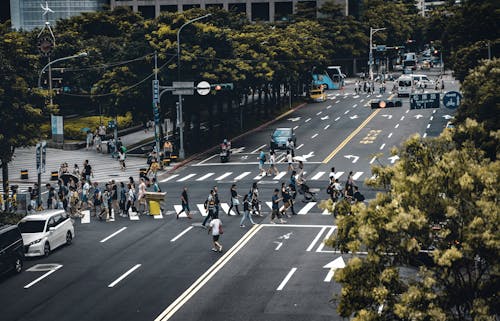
(354, 133)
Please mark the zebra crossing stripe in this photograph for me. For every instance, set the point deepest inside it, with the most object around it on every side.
(270, 204)
(201, 208)
(258, 177)
(338, 174)
(317, 176)
(86, 217)
(223, 176)
(205, 176)
(178, 208)
(169, 178)
(133, 215)
(225, 208)
(159, 216)
(237, 178)
(326, 212)
(357, 175)
(280, 175)
(306, 208)
(186, 177)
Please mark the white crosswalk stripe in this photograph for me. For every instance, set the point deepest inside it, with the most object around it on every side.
(357, 175)
(317, 176)
(338, 174)
(185, 178)
(280, 175)
(205, 176)
(201, 208)
(306, 208)
(258, 177)
(223, 176)
(169, 178)
(225, 208)
(242, 175)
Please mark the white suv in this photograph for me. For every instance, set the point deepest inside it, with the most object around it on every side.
(46, 231)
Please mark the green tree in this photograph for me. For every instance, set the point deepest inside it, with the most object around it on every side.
(21, 107)
(441, 213)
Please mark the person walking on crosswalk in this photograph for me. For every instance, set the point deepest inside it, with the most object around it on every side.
(234, 200)
(272, 164)
(262, 160)
(210, 207)
(216, 201)
(185, 204)
(216, 230)
(247, 205)
(254, 192)
(275, 200)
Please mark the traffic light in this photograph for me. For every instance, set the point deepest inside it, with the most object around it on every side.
(223, 87)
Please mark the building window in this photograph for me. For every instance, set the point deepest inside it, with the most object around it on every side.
(237, 7)
(148, 12)
(260, 11)
(214, 6)
(283, 11)
(168, 8)
(190, 6)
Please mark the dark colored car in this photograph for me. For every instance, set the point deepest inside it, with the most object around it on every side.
(280, 137)
(11, 249)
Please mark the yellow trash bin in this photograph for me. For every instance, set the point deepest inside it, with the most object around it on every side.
(154, 199)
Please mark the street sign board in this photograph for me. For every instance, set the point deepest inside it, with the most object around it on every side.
(183, 88)
(423, 101)
(156, 91)
(111, 124)
(381, 48)
(452, 99)
(203, 88)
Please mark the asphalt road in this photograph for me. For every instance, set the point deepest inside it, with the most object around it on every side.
(163, 269)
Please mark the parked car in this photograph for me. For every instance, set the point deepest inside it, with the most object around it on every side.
(280, 137)
(11, 249)
(46, 231)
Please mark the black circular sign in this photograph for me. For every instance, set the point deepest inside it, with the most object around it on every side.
(45, 46)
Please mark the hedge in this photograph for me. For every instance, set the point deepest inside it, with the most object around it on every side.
(73, 127)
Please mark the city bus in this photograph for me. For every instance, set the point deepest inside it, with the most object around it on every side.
(331, 78)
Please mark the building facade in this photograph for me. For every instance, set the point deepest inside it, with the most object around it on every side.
(256, 10)
(28, 14)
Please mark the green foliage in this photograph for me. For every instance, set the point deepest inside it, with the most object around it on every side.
(440, 198)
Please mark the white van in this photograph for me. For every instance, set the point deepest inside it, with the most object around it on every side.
(427, 83)
(404, 85)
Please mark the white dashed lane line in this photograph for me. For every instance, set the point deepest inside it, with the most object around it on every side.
(432, 117)
(397, 125)
(373, 160)
(428, 125)
(124, 275)
(300, 146)
(319, 113)
(347, 111)
(308, 119)
(326, 127)
(402, 117)
(382, 147)
(286, 279)
(314, 136)
(329, 106)
(389, 136)
(295, 127)
(355, 105)
(362, 100)
(425, 135)
(337, 118)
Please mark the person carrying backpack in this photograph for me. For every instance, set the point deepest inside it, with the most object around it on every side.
(262, 160)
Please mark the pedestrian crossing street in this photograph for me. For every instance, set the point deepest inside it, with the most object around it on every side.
(301, 208)
(236, 176)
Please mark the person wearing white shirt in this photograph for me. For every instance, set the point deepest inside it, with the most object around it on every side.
(215, 228)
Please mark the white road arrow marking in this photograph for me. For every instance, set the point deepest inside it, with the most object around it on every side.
(393, 159)
(237, 150)
(325, 117)
(387, 116)
(447, 117)
(418, 116)
(311, 154)
(294, 119)
(354, 117)
(355, 158)
(334, 265)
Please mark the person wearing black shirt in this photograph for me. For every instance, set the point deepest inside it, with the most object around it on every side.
(185, 204)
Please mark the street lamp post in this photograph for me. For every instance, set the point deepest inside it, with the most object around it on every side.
(370, 57)
(181, 123)
(82, 54)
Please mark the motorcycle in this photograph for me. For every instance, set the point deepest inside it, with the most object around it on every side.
(225, 152)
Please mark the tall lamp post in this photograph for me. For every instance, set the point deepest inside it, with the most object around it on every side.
(81, 54)
(370, 57)
(181, 123)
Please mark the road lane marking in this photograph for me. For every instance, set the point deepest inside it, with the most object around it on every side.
(223, 176)
(205, 176)
(317, 176)
(347, 111)
(327, 236)
(397, 125)
(402, 117)
(202, 209)
(329, 106)
(361, 100)
(373, 159)
(85, 217)
(296, 127)
(279, 246)
(280, 175)
(348, 138)
(357, 175)
(428, 125)
(53, 269)
(258, 149)
(237, 178)
(186, 177)
(432, 117)
(115, 282)
(382, 147)
(308, 119)
(207, 159)
(169, 178)
(181, 234)
(258, 177)
(112, 235)
(316, 239)
(389, 136)
(225, 208)
(355, 105)
(319, 113)
(207, 276)
(314, 136)
(434, 111)
(407, 111)
(286, 279)
(336, 118)
(425, 135)
(307, 208)
(299, 147)
(338, 174)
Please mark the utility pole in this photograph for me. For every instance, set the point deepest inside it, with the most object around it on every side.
(156, 109)
(370, 57)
